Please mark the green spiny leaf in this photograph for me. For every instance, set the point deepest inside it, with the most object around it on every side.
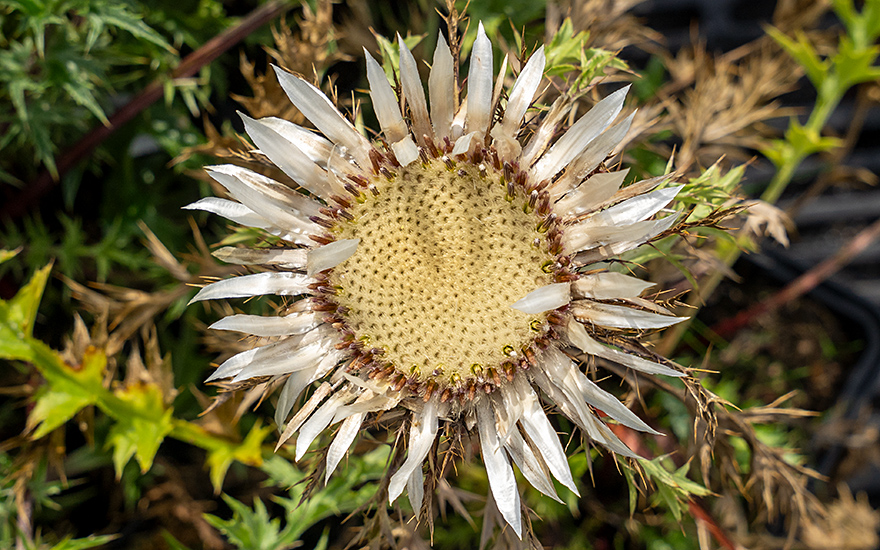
(674, 488)
(17, 316)
(854, 65)
(139, 435)
(68, 390)
(248, 452)
(82, 95)
(565, 47)
(344, 493)
(119, 16)
(253, 529)
(804, 53)
(807, 141)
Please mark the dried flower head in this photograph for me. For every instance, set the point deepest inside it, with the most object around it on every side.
(451, 272)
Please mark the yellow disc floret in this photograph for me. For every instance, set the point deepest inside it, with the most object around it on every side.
(443, 254)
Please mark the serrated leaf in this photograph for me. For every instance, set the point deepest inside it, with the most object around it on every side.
(44, 148)
(253, 529)
(864, 27)
(777, 151)
(96, 28)
(565, 47)
(807, 141)
(82, 95)
(69, 389)
(17, 88)
(854, 65)
(139, 434)
(343, 493)
(804, 53)
(18, 314)
(53, 408)
(249, 451)
(119, 17)
(674, 488)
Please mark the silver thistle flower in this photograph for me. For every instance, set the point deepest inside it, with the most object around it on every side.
(449, 272)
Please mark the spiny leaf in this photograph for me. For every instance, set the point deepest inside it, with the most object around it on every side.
(82, 94)
(253, 529)
(248, 452)
(854, 65)
(565, 47)
(69, 390)
(17, 317)
(141, 434)
(342, 494)
(804, 53)
(807, 141)
(674, 488)
(119, 16)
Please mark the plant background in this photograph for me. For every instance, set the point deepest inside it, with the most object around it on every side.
(105, 440)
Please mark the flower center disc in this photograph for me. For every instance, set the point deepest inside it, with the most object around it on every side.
(443, 254)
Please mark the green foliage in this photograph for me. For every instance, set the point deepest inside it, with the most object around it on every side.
(709, 191)
(6, 255)
(17, 319)
(57, 61)
(141, 418)
(76, 253)
(833, 74)
(140, 436)
(253, 529)
(674, 489)
(221, 454)
(568, 55)
(505, 18)
(345, 492)
(69, 389)
(62, 63)
(701, 198)
(43, 494)
(391, 55)
(68, 543)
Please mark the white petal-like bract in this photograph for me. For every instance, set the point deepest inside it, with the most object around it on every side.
(544, 299)
(479, 113)
(259, 284)
(330, 255)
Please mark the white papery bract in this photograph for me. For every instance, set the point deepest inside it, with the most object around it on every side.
(457, 271)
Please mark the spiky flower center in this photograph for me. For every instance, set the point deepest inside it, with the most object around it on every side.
(445, 249)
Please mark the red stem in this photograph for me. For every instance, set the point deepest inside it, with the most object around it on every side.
(189, 66)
